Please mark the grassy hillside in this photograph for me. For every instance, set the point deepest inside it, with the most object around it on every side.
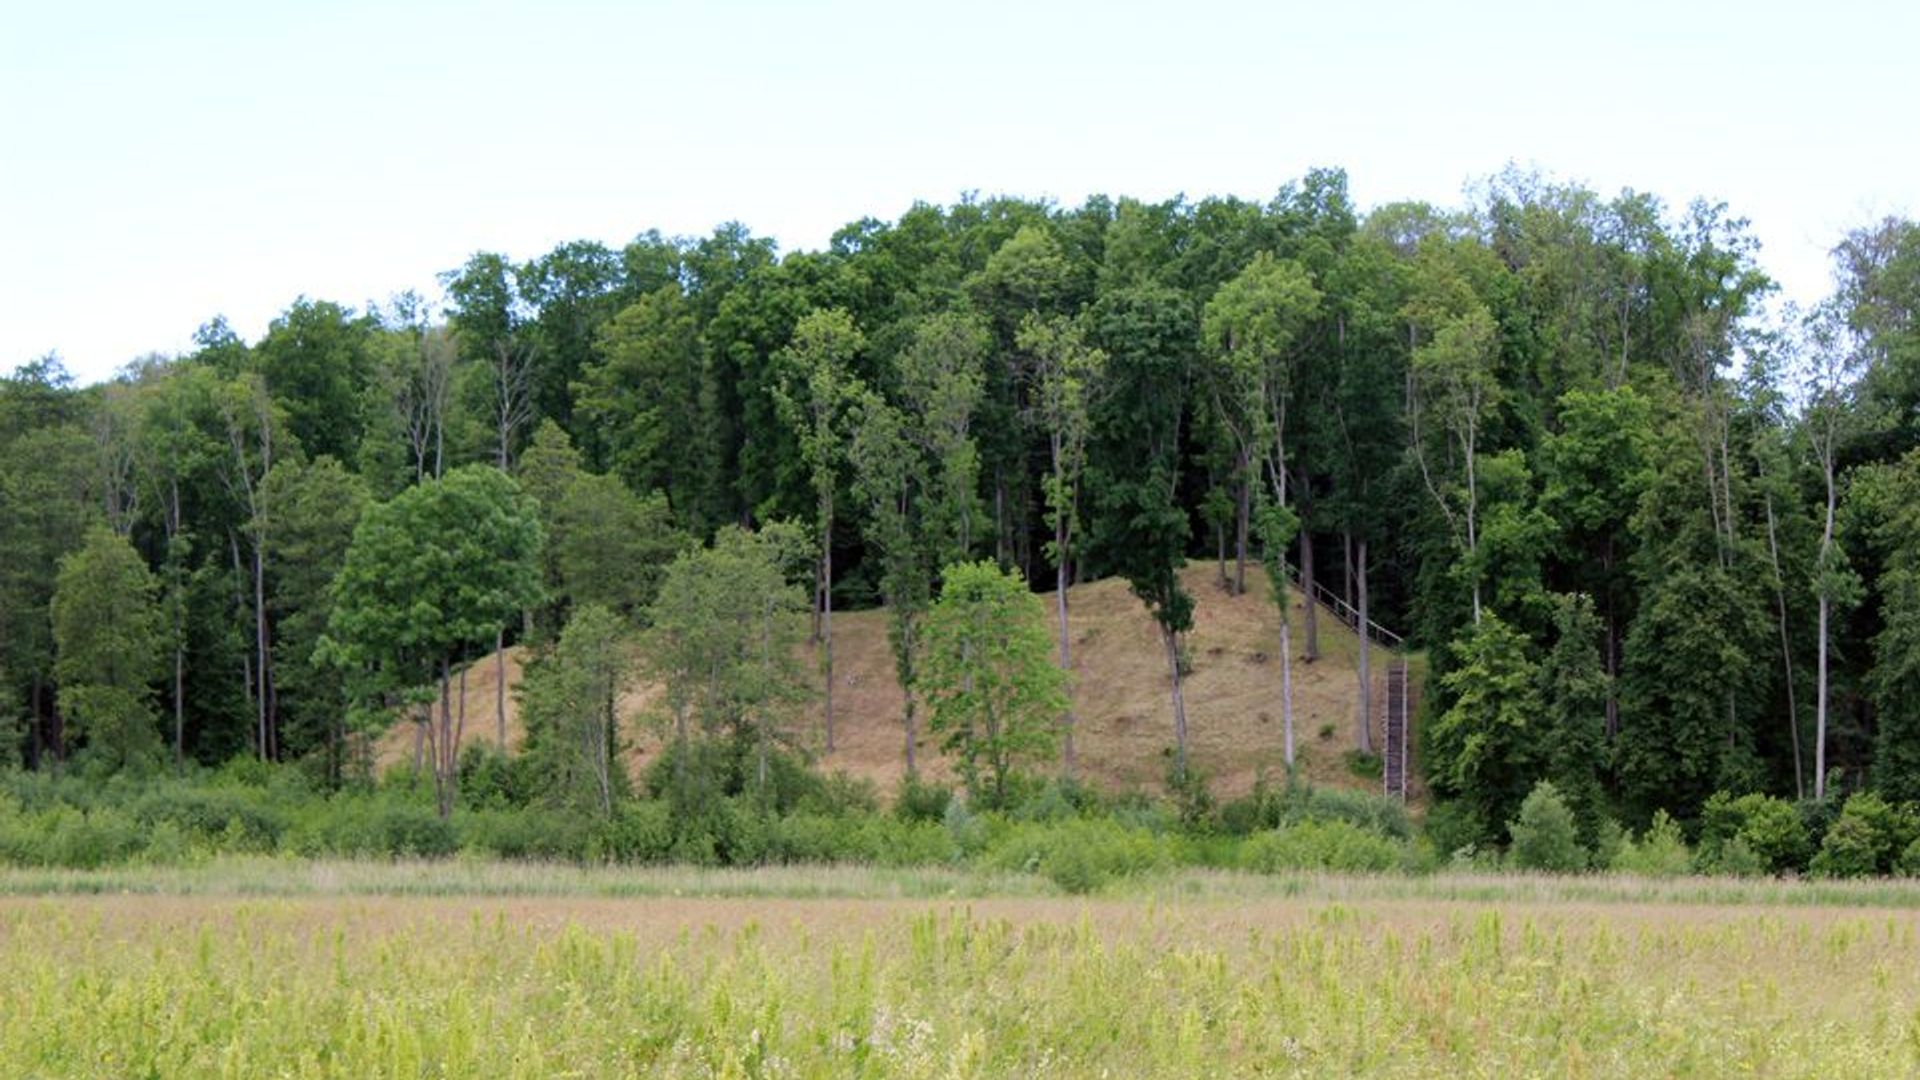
(1125, 730)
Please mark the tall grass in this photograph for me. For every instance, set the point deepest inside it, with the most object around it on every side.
(420, 987)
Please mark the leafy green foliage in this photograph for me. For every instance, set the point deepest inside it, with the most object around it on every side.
(1769, 830)
(1659, 851)
(568, 702)
(1544, 836)
(1485, 749)
(724, 628)
(108, 633)
(993, 693)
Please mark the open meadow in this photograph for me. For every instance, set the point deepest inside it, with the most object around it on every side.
(270, 968)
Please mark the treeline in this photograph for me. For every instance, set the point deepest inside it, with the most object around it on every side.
(1658, 541)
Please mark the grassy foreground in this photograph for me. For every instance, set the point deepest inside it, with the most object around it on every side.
(268, 968)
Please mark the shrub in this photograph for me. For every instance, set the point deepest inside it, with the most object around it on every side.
(1848, 850)
(1770, 829)
(1191, 794)
(841, 794)
(236, 817)
(1375, 813)
(84, 841)
(525, 834)
(1454, 826)
(1545, 837)
(920, 800)
(379, 826)
(1738, 859)
(1866, 838)
(638, 832)
(1364, 764)
(490, 780)
(1081, 854)
(1321, 845)
(1661, 851)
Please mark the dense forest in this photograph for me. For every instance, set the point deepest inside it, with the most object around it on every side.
(1658, 533)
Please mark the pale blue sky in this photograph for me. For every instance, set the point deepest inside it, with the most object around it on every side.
(163, 163)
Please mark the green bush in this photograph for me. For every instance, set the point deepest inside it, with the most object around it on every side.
(638, 832)
(1867, 838)
(231, 816)
(1738, 859)
(920, 800)
(1909, 862)
(1660, 851)
(525, 834)
(814, 838)
(1546, 837)
(380, 826)
(1321, 845)
(1850, 849)
(1081, 854)
(1375, 813)
(490, 780)
(1770, 829)
(841, 794)
(1456, 828)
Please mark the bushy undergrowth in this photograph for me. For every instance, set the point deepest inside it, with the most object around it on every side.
(1066, 833)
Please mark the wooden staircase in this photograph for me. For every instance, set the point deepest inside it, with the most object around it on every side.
(1393, 750)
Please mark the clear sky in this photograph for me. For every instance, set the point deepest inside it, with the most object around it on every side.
(161, 163)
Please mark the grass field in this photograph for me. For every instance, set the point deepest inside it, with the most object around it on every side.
(265, 968)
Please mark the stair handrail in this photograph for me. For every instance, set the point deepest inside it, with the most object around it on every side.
(1349, 615)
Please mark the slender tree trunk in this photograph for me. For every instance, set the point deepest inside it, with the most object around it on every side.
(240, 603)
(179, 708)
(1366, 650)
(265, 701)
(1286, 673)
(45, 740)
(445, 753)
(1826, 616)
(826, 614)
(1002, 546)
(1242, 527)
(178, 605)
(1066, 654)
(500, 686)
(907, 635)
(1220, 555)
(1172, 642)
(1786, 652)
(1311, 652)
(1346, 565)
(1473, 528)
(1820, 706)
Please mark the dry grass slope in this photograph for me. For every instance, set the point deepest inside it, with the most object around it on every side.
(1125, 717)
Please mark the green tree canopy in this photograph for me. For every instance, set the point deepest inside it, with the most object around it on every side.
(993, 693)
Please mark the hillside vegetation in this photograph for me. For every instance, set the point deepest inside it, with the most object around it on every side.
(1120, 697)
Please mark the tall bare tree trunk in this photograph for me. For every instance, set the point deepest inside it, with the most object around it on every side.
(1242, 527)
(1066, 654)
(1172, 642)
(445, 753)
(1311, 652)
(1826, 616)
(1286, 673)
(1365, 741)
(826, 616)
(500, 687)
(1786, 652)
